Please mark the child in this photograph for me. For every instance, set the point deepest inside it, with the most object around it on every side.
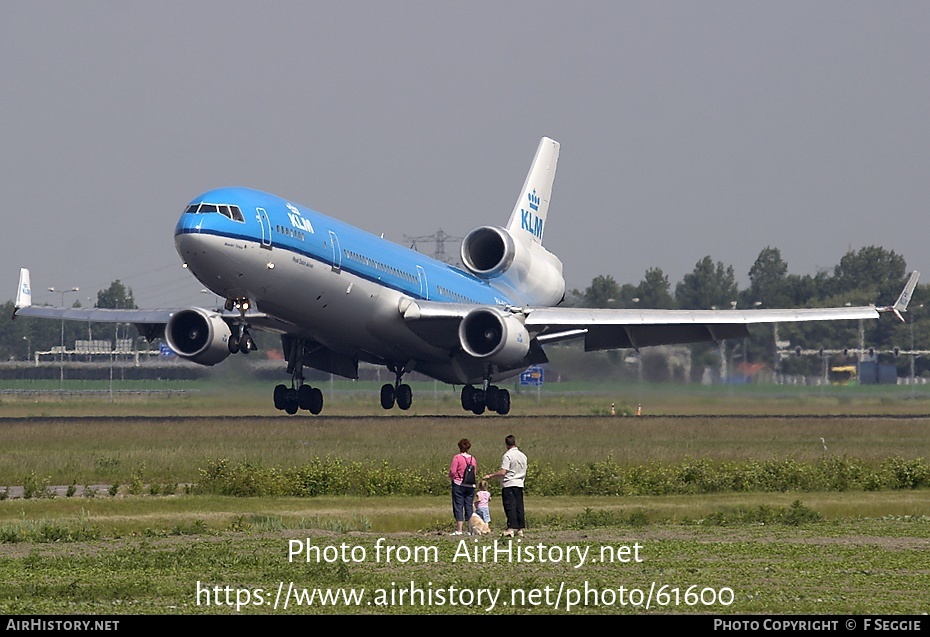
(482, 498)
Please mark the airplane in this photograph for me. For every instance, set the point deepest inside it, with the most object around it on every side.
(338, 295)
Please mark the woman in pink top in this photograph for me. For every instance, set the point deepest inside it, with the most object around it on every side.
(463, 494)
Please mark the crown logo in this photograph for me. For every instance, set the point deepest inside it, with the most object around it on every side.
(534, 199)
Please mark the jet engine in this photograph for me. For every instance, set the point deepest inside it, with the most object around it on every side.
(198, 335)
(494, 337)
(489, 252)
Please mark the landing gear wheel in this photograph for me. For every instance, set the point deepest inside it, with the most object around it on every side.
(291, 404)
(246, 344)
(280, 393)
(316, 401)
(387, 396)
(303, 396)
(491, 397)
(503, 402)
(404, 396)
(233, 344)
(477, 401)
(467, 392)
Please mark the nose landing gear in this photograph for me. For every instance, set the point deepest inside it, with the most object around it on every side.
(240, 340)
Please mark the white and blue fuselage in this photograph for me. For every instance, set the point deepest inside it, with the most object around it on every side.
(322, 276)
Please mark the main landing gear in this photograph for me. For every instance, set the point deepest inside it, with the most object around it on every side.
(399, 393)
(493, 398)
(298, 395)
(304, 397)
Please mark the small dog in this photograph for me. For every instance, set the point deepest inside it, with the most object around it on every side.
(477, 526)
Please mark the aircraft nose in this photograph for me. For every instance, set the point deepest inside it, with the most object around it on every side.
(189, 245)
(187, 224)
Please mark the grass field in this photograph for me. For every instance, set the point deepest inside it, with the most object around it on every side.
(239, 396)
(842, 550)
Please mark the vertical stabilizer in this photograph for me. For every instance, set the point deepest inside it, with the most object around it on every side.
(528, 219)
(24, 293)
(905, 297)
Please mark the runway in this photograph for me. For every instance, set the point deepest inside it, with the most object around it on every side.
(451, 418)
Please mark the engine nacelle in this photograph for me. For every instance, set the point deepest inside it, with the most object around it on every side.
(489, 252)
(497, 338)
(198, 335)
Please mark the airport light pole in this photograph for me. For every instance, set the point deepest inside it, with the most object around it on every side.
(722, 352)
(61, 353)
(913, 356)
(90, 333)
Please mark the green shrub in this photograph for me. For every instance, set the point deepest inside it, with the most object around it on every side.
(35, 487)
(906, 474)
(137, 482)
(334, 476)
(795, 515)
(798, 514)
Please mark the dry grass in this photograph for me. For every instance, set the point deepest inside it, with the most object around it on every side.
(173, 448)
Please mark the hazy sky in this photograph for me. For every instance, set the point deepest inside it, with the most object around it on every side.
(687, 128)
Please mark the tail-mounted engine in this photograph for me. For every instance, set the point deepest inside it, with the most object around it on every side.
(490, 252)
(494, 337)
(198, 335)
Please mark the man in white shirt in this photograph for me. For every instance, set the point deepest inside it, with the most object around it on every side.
(512, 474)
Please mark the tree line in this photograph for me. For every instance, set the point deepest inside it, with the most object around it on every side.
(870, 275)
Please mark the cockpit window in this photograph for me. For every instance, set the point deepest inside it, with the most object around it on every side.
(231, 212)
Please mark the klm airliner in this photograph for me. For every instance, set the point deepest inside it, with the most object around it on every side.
(337, 295)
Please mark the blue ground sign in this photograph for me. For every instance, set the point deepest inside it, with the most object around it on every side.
(532, 376)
